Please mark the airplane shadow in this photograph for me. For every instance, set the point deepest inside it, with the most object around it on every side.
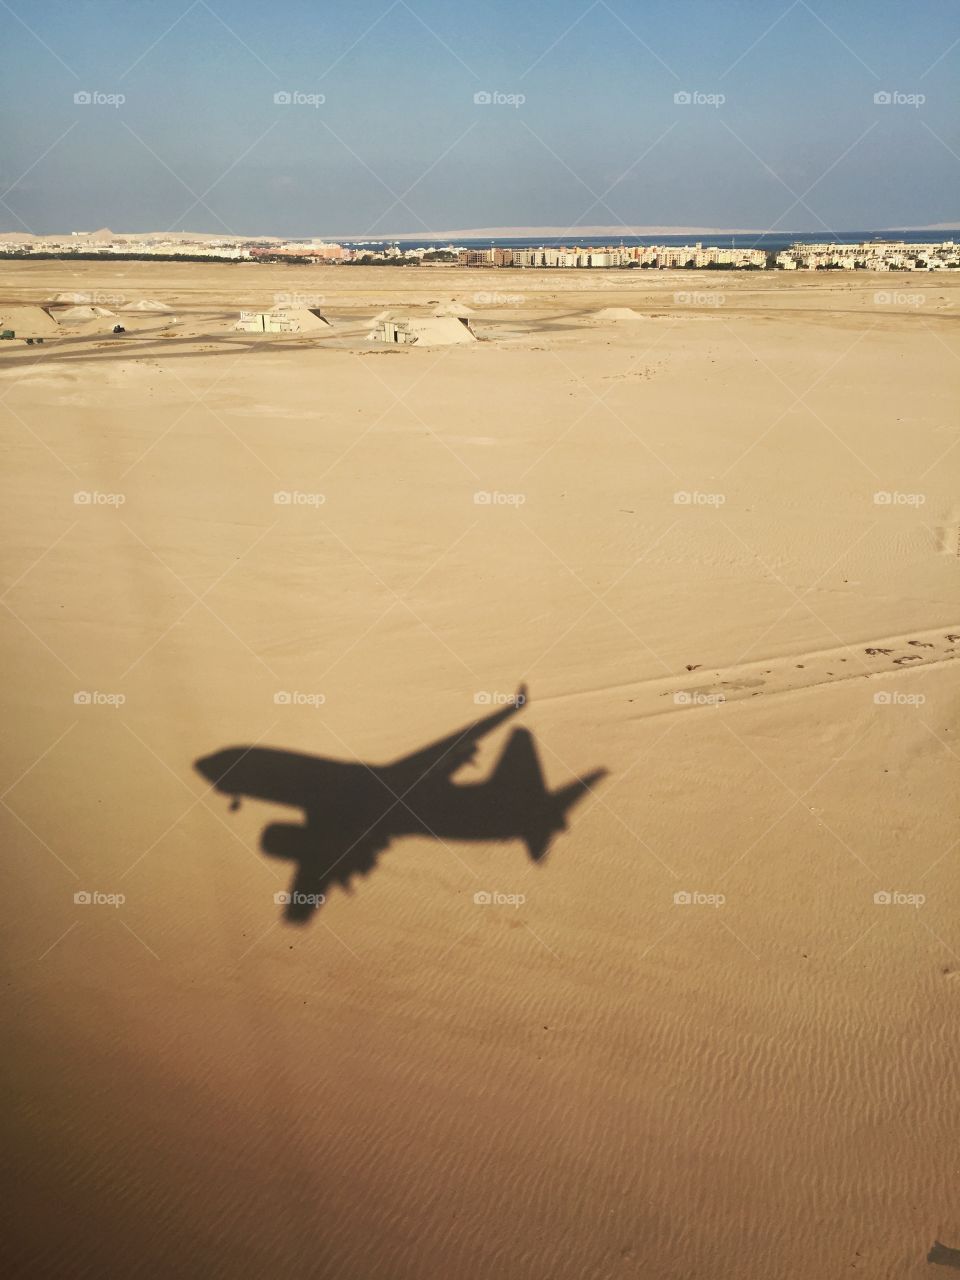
(944, 1256)
(353, 811)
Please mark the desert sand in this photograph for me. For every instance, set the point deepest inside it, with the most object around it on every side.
(713, 1031)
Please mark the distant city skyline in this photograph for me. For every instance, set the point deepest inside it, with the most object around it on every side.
(427, 120)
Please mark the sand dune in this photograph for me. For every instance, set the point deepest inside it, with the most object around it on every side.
(618, 313)
(711, 1031)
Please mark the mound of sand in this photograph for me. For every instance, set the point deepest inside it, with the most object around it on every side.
(29, 322)
(147, 304)
(619, 313)
(81, 314)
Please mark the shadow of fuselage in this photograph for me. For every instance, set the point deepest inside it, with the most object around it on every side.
(353, 811)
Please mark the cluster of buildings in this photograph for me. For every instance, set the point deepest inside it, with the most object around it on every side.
(870, 255)
(689, 255)
(317, 251)
(105, 244)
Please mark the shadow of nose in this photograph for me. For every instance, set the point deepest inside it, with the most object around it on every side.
(213, 767)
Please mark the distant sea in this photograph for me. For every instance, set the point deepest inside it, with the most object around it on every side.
(773, 241)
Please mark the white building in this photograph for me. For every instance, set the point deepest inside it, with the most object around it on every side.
(425, 331)
(283, 320)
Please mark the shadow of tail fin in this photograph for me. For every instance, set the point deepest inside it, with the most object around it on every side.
(552, 817)
(543, 812)
(518, 769)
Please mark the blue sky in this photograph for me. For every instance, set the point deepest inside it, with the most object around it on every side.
(400, 145)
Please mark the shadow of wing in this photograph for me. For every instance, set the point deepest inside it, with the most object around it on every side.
(444, 757)
(322, 862)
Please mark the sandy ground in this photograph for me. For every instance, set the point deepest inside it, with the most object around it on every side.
(668, 528)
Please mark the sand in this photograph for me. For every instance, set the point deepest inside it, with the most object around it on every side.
(618, 313)
(72, 315)
(147, 304)
(670, 532)
(30, 321)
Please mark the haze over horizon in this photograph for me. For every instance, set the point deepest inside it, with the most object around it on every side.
(210, 117)
(467, 233)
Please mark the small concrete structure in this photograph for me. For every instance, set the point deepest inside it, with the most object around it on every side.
(283, 320)
(425, 331)
(29, 322)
